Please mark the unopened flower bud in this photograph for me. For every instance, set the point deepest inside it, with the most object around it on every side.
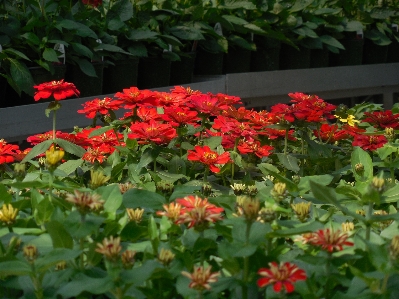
(30, 252)
(279, 191)
(60, 266)
(267, 215)
(110, 248)
(53, 156)
(389, 133)
(166, 256)
(252, 191)
(97, 179)
(135, 215)
(206, 190)
(361, 212)
(383, 224)
(378, 184)
(238, 189)
(8, 214)
(124, 187)
(347, 227)
(128, 259)
(394, 248)
(296, 179)
(359, 168)
(302, 210)
(165, 187)
(20, 169)
(250, 208)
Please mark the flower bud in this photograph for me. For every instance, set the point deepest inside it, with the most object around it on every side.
(347, 227)
(135, 215)
(238, 189)
(110, 248)
(124, 187)
(267, 215)
(60, 266)
(20, 170)
(165, 187)
(394, 248)
(378, 184)
(97, 178)
(359, 168)
(250, 208)
(279, 191)
(389, 133)
(361, 212)
(30, 252)
(252, 191)
(383, 224)
(206, 190)
(53, 156)
(128, 259)
(166, 256)
(302, 210)
(8, 214)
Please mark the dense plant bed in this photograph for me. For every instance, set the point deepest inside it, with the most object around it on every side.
(191, 195)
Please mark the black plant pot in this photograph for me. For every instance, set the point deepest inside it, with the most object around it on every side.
(374, 54)
(237, 60)
(352, 55)
(393, 51)
(267, 54)
(181, 72)
(319, 58)
(121, 75)
(39, 75)
(154, 71)
(207, 63)
(291, 58)
(87, 85)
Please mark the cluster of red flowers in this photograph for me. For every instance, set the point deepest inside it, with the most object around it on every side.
(193, 210)
(9, 152)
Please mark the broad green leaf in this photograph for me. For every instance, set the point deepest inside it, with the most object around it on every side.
(5, 196)
(288, 161)
(133, 232)
(31, 38)
(138, 34)
(139, 198)
(170, 177)
(49, 54)
(44, 211)
(9, 268)
(70, 147)
(139, 275)
(60, 237)
(177, 165)
(16, 53)
(391, 195)
(37, 150)
(100, 131)
(110, 48)
(213, 142)
(70, 166)
(87, 67)
(304, 183)
(82, 50)
(79, 28)
(235, 20)
(122, 10)
(186, 33)
(21, 76)
(361, 157)
(54, 257)
(82, 283)
(300, 229)
(331, 41)
(112, 197)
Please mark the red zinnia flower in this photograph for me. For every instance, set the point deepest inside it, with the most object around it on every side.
(197, 211)
(369, 142)
(38, 138)
(206, 104)
(281, 276)
(201, 278)
(177, 116)
(90, 108)
(134, 97)
(254, 147)
(58, 89)
(329, 240)
(330, 133)
(99, 153)
(152, 131)
(205, 155)
(8, 152)
(382, 119)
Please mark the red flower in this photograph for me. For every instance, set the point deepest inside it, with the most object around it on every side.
(38, 138)
(206, 104)
(166, 99)
(58, 89)
(205, 155)
(369, 142)
(108, 138)
(177, 116)
(281, 276)
(152, 131)
(134, 97)
(201, 278)
(93, 3)
(147, 114)
(330, 133)
(99, 153)
(8, 152)
(329, 240)
(254, 147)
(91, 108)
(382, 119)
(197, 211)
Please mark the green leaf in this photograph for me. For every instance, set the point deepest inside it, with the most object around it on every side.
(70, 166)
(300, 229)
(110, 48)
(361, 157)
(288, 161)
(54, 257)
(79, 28)
(186, 33)
(21, 76)
(268, 169)
(112, 197)
(60, 237)
(43, 211)
(8, 268)
(37, 150)
(82, 50)
(122, 9)
(49, 54)
(139, 198)
(133, 232)
(82, 283)
(177, 165)
(304, 183)
(139, 275)
(213, 142)
(16, 53)
(87, 67)
(140, 34)
(300, 5)
(331, 41)
(70, 147)
(170, 177)
(235, 20)
(31, 38)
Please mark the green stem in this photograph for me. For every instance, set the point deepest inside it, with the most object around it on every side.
(286, 141)
(206, 172)
(368, 224)
(245, 271)
(54, 122)
(37, 284)
(328, 273)
(81, 245)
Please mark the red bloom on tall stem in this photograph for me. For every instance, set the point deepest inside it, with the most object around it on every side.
(282, 276)
(58, 89)
(382, 119)
(329, 240)
(133, 97)
(205, 155)
(330, 133)
(152, 131)
(91, 108)
(369, 142)
(8, 152)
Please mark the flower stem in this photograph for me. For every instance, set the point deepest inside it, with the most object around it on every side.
(54, 122)
(245, 271)
(368, 224)
(286, 141)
